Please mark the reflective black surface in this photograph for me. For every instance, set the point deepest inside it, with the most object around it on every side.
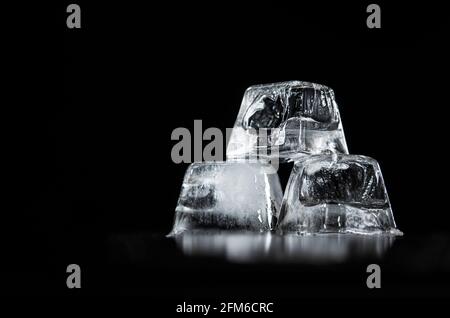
(271, 248)
(211, 265)
(94, 183)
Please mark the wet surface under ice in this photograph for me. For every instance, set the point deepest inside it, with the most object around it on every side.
(248, 247)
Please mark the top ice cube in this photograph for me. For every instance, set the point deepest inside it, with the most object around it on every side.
(286, 120)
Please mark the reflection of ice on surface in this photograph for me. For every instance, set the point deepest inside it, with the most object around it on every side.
(242, 247)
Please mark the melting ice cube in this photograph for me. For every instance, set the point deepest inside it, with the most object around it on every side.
(336, 193)
(287, 119)
(228, 195)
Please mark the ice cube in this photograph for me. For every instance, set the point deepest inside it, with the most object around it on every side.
(228, 195)
(287, 119)
(336, 193)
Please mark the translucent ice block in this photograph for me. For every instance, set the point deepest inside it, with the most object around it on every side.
(228, 195)
(336, 193)
(287, 119)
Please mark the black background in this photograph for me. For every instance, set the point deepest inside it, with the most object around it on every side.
(95, 166)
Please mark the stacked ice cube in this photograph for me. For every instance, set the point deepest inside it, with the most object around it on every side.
(298, 118)
(329, 190)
